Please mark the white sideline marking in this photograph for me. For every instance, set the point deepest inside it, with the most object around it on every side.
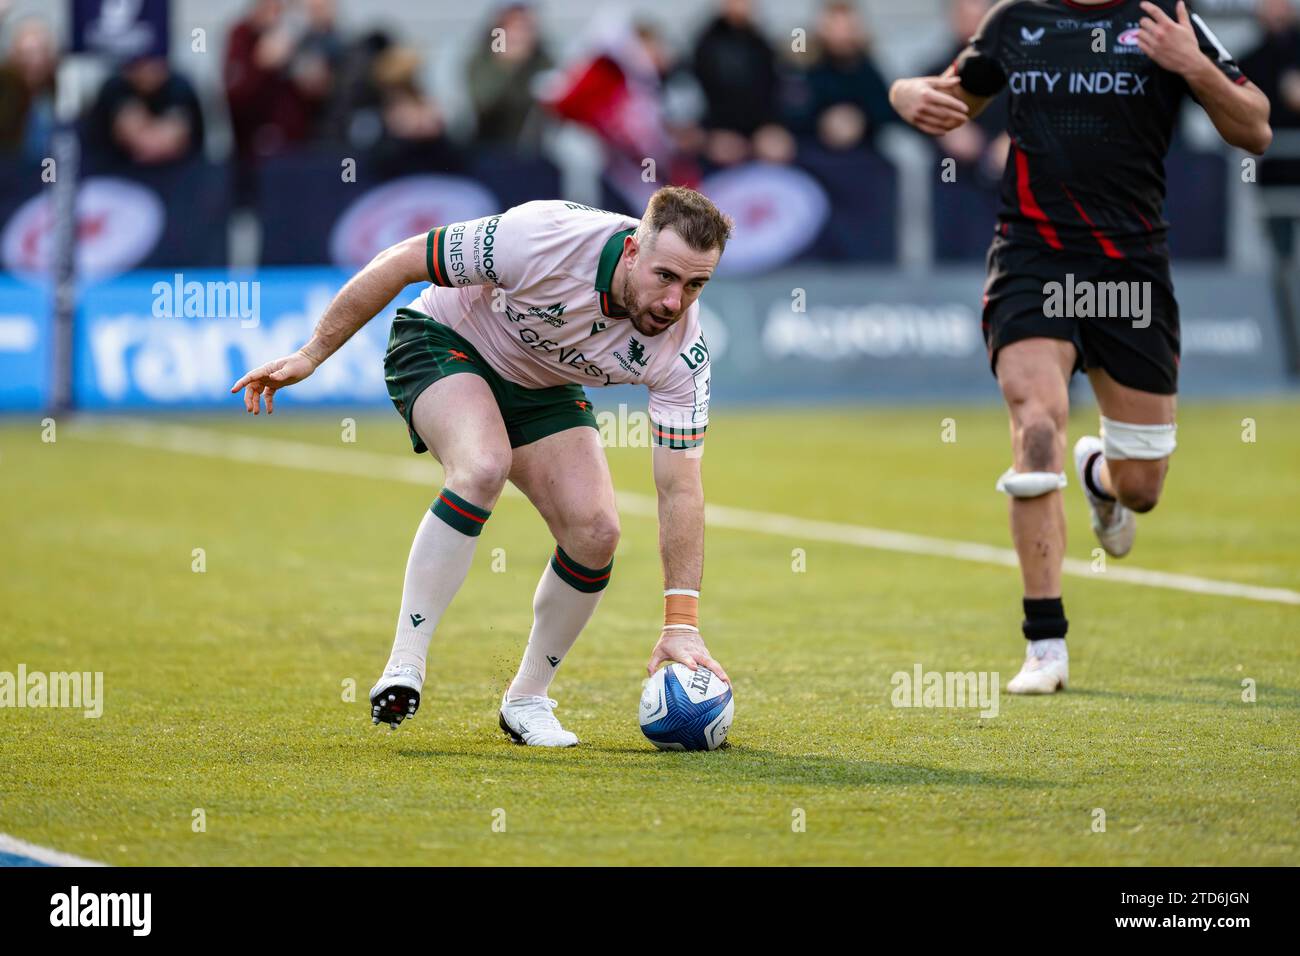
(185, 439)
(40, 854)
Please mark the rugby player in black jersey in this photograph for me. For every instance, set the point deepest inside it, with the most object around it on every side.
(1078, 272)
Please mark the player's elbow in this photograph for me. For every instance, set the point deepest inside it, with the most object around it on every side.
(1259, 140)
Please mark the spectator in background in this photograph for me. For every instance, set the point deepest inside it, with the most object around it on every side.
(27, 91)
(414, 138)
(981, 145)
(353, 115)
(844, 100)
(145, 114)
(500, 77)
(681, 104)
(316, 61)
(737, 70)
(1274, 66)
(277, 79)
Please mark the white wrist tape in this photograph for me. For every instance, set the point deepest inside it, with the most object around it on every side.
(687, 591)
(681, 627)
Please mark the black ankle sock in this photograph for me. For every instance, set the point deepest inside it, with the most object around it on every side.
(1044, 617)
(1092, 484)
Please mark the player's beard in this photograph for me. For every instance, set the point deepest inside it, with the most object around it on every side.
(645, 324)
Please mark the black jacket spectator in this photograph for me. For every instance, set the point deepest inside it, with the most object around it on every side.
(737, 71)
(146, 114)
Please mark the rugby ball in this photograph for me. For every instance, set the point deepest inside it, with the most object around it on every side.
(684, 709)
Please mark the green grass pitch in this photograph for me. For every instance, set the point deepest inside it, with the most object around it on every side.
(224, 689)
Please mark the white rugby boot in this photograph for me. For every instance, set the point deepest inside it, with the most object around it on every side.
(531, 720)
(1046, 668)
(1114, 525)
(396, 695)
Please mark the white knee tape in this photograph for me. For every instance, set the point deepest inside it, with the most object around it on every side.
(1030, 484)
(1120, 440)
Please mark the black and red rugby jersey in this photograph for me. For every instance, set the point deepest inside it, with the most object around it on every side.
(1090, 120)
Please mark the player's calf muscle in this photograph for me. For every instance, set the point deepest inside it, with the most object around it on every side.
(1138, 483)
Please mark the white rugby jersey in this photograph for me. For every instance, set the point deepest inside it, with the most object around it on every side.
(530, 289)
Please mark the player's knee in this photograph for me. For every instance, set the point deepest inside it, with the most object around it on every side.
(1139, 489)
(595, 537)
(1040, 440)
(482, 477)
(603, 535)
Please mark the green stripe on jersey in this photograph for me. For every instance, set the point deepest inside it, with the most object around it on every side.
(689, 437)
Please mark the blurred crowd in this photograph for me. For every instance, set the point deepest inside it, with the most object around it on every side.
(292, 80)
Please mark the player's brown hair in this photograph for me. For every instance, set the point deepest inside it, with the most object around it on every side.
(688, 213)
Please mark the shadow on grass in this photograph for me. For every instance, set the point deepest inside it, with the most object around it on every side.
(742, 765)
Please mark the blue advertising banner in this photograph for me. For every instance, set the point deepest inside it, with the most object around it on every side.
(24, 345)
(167, 339)
(180, 339)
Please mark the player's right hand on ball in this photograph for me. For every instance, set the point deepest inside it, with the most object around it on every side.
(262, 382)
(928, 103)
(685, 647)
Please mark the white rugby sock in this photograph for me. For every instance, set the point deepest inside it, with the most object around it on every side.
(436, 568)
(565, 599)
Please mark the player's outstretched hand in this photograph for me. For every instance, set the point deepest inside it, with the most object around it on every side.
(685, 647)
(264, 381)
(927, 102)
(1171, 43)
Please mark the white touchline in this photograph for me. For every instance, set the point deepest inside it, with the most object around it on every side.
(40, 854)
(213, 443)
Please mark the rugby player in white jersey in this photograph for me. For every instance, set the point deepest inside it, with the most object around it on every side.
(487, 366)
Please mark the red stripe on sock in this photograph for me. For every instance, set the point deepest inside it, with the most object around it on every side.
(459, 510)
(581, 577)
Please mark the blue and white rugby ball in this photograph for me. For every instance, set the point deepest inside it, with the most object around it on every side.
(684, 709)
